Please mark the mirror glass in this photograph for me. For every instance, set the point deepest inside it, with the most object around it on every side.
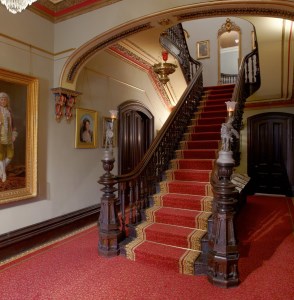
(229, 40)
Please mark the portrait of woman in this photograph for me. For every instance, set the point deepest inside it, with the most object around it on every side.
(86, 132)
(86, 128)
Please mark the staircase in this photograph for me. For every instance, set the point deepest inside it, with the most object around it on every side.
(173, 233)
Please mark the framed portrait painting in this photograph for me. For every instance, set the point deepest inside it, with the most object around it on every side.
(86, 128)
(202, 49)
(18, 136)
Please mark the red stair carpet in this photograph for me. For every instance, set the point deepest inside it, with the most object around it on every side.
(71, 269)
(176, 223)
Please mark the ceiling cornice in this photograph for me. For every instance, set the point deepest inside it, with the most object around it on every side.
(57, 11)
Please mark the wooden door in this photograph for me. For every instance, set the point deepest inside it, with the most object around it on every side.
(270, 153)
(136, 132)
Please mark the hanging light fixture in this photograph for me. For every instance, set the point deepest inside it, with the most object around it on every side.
(163, 69)
(15, 6)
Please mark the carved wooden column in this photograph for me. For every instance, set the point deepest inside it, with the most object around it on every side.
(109, 232)
(223, 253)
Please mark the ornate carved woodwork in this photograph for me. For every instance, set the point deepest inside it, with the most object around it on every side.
(109, 231)
(64, 102)
(223, 253)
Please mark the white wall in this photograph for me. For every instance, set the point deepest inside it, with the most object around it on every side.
(206, 29)
(107, 81)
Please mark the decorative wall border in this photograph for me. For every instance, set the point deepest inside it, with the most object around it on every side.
(134, 59)
(235, 11)
(101, 45)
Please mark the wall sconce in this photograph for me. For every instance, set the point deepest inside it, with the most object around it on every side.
(163, 69)
(231, 107)
(64, 102)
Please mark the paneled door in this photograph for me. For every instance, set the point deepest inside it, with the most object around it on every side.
(270, 153)
(136, 132)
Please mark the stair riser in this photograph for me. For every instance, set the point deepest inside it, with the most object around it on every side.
(191, 177)
(197, 154)
(212, 144)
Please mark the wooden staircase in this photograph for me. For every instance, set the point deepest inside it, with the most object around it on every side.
(173, 233)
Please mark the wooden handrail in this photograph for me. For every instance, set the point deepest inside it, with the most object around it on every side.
(248, 81)
(159, 138)
(136, 187)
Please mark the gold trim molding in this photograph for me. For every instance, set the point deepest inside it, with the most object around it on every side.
(101, 45)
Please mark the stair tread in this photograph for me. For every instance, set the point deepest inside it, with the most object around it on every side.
(184, 201)
(167, 257)
(178, 216)
(178, 236)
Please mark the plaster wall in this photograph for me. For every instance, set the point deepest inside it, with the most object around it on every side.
(206, 29)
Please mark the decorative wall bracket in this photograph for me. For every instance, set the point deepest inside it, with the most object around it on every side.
(64, 102)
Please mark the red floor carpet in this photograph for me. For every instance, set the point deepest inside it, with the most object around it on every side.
(71, 269)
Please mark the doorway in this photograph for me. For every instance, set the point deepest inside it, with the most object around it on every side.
(270, 153)
(136, 133)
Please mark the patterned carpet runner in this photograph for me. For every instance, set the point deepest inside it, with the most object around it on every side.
(177, 221)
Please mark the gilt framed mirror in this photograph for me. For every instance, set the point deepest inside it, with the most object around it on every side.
(229, 52)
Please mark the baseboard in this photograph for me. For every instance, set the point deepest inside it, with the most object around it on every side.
(15, 242)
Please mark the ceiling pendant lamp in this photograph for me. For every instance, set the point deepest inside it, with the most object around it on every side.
(163, 69)
(15, 6)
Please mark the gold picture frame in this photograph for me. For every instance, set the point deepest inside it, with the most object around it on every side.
(86, 128)
(108, 123)
(19, 179)
(202, 49)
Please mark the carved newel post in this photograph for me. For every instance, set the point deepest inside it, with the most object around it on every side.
(223, 252)
(109, 232)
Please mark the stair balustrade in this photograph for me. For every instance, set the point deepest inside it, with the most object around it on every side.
(248, 81)
(137, 187)
(223, 253)
(173, 40)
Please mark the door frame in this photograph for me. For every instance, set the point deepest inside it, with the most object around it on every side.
(127, 106)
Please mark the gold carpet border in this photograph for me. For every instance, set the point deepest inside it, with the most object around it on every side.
(164, 188)
(187, 261)
(201, 220)
(194, 239)
(175, 164)
(206, 203)
(158, 199)
(208, 190)
(131, 247)
(179, 154)
(150, 213)
(170, 175)
(140, 230)
(187, 136)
